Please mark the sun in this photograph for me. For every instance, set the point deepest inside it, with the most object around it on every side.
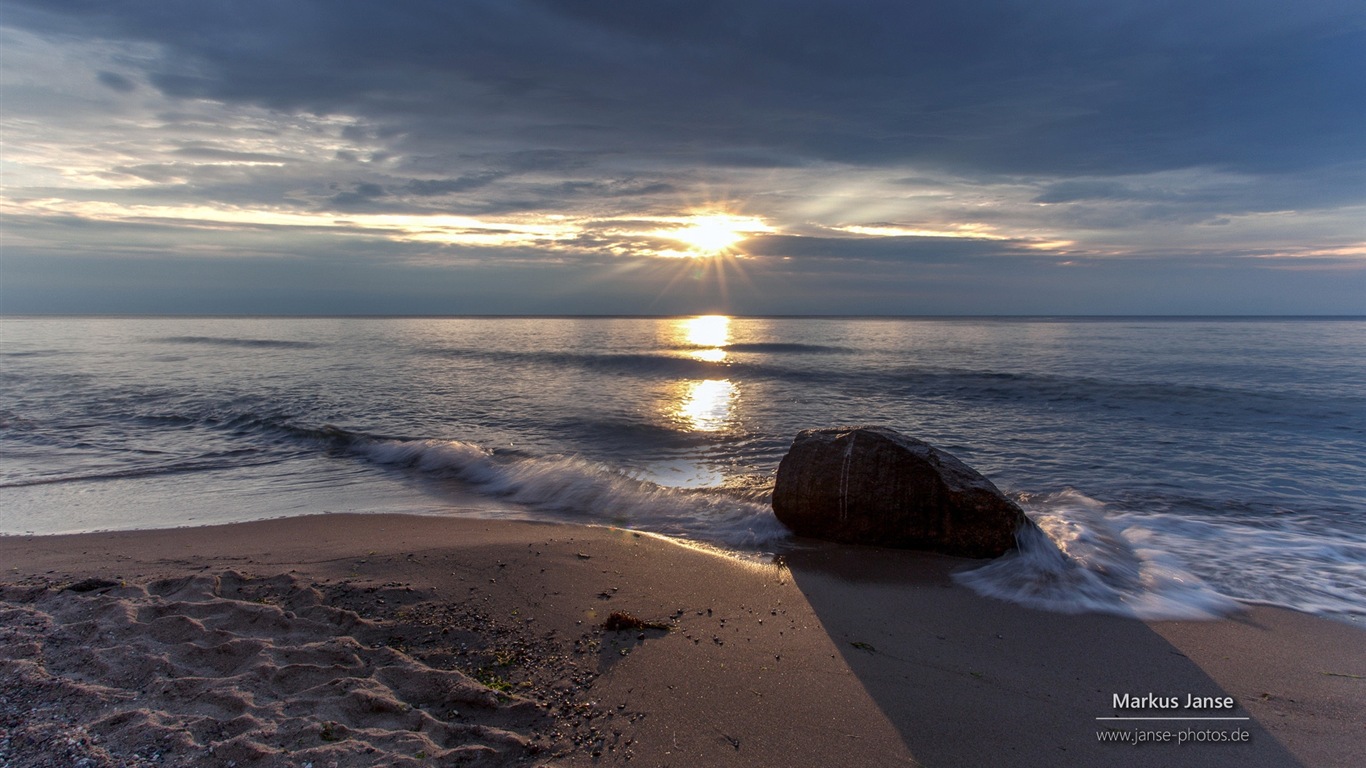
(711, 234)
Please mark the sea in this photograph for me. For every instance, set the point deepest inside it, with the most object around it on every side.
(1177, 467)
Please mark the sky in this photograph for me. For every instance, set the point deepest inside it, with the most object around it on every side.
(983, 157)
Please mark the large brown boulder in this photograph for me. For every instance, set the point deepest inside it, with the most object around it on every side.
(872, 485)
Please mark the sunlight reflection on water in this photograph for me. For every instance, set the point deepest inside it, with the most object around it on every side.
(707, 405)
(706, 336)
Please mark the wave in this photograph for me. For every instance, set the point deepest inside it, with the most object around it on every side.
(1078, 561)
(573, 489)
(36, 353)
(626, 435)
(1289, 560)
(778, 348)
(1174, 401)
(637, 363)
(1082, 558)
(231, 342)
(173, 468)
(1058, 388)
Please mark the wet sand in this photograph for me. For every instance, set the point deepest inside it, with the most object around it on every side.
(398, 640)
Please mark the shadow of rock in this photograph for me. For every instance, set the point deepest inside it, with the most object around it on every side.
(968, 680)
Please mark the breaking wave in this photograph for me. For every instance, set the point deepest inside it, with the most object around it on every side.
(573, 489)
(1075, 561)
(1085, 558)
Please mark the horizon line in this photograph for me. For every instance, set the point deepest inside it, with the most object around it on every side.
(662, 316)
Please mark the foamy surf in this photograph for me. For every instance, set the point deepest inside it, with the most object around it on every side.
(1080, 561)
(1289, 561)
(577, 490)
(1083, 558)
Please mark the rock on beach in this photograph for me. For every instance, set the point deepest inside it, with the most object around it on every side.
(873, 485)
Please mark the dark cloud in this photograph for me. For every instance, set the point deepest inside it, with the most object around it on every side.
(1054, 86)
(616, 188)
(115, 81)
(358, 197)
(904, 250)
(1125, 201)
(528, 160)
(435, 187)
(1073, 190)
(1129, 126)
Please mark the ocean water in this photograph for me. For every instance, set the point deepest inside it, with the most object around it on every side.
(1178, 467)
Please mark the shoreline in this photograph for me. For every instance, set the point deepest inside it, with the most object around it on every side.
(839, 655)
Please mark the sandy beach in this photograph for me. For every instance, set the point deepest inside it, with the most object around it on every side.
(354, 640)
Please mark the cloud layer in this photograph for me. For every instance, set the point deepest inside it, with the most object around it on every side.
(886, 145)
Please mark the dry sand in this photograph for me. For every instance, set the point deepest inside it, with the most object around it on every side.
(389, 640)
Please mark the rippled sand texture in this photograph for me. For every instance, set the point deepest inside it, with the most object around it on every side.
(217, 670)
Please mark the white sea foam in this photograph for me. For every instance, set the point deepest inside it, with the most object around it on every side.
(1079, 560)
(1288, 561)
(1084, 556)
(581, 491)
